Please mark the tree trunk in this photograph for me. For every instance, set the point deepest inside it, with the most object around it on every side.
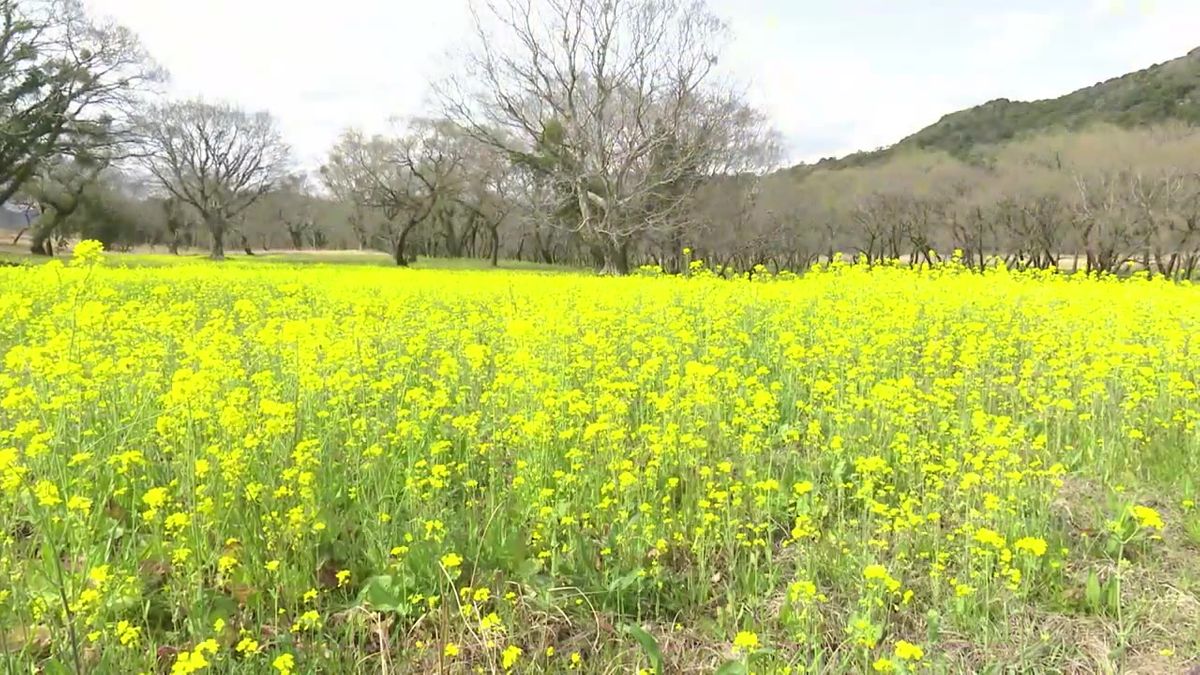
(43, 229)
(39, 240)
(496, 247)
(21, 233)
(616, 258)
(599, 259)
(399, 254)
(453, 243)
(216, 228)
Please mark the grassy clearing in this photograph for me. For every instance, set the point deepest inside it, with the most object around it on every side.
(287, 468)
(9, 254)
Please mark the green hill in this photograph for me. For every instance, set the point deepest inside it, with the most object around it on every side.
(1167, 91)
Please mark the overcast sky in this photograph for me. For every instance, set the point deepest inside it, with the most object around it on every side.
(835, 75)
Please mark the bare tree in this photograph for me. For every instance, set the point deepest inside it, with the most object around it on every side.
(482, 189)
(216, 158)
(291, 205)
(614, 104)
(68, 86)
(58, 188)
(178, 223)
(399, 177)
(341, 178)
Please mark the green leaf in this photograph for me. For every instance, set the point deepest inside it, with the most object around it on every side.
(527, 569)
(1113, 588)
(623, 582)
(382, 593)
(56, 667)
(732, 668)
(217, 605)
(1093, 593)
(649, 645)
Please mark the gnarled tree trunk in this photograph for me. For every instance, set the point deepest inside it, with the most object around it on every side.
(216, 227)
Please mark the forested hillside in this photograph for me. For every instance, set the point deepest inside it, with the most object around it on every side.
(1163, 92)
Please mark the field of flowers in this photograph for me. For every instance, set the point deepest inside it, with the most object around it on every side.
(271, 468)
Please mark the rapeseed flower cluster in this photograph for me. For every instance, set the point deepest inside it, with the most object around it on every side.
(291, 469)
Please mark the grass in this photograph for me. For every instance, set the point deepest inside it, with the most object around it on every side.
(278, 467)
(19, 255)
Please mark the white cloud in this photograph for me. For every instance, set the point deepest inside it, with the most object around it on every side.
(1016, 36)
(835, 78)
(318, 66)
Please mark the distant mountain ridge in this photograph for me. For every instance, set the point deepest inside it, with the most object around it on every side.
(1163, 92)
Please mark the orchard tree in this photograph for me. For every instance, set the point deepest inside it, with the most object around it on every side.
(58, 187)
(292, 207)
(341, 179)
(401, 178)
(615, 105)
(69, 86)
(215, 158)
(178, 222)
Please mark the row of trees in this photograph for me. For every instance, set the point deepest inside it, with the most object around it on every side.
(1098, 200)
(583, 129)
(579, 133)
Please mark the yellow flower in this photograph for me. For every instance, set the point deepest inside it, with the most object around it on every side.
(188, 662)
(247, 645)
(883, 665)
(1147, 517)
(176, 521)
(80, 504)
(908, 651)
(343, 577)
(451, 560)
(155, 497)
(1032, 545)
(308, 621)
(87, 253)
(98, 575)
(745, 641)
(802, 591)
(989, 537)
(875, 572)
(508, 658)
(451, 650)
(490, 622)
(285, 664)
(127, 633)
(46, 493)
(272, 566)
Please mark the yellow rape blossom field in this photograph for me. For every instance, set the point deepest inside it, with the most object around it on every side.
(273, 468)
